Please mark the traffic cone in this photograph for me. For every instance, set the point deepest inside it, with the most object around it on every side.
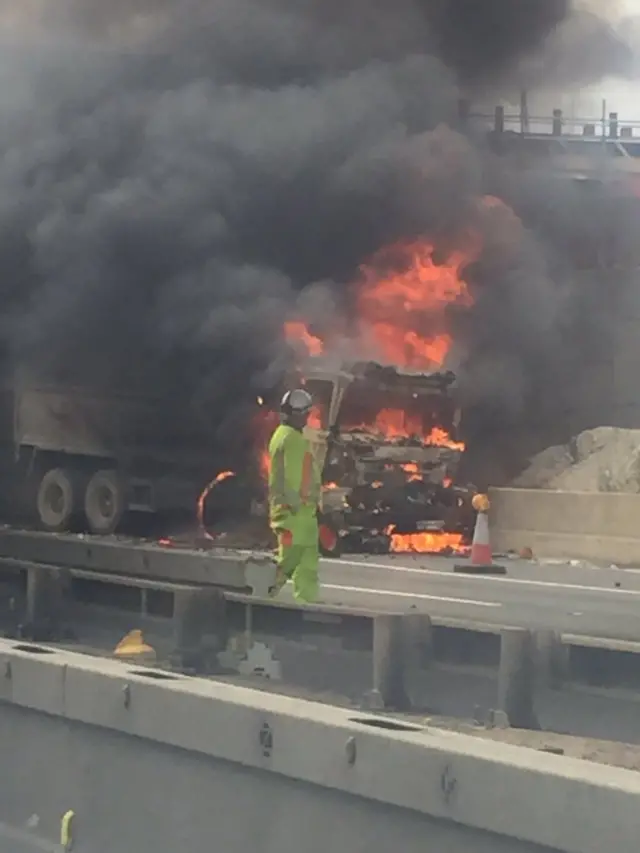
(481, 557)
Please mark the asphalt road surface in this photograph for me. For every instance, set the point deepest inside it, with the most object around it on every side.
(20, 839)
(573, 598)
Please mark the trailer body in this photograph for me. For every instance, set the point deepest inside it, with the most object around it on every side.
(68, 453)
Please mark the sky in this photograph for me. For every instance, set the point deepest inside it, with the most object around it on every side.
(619, 96)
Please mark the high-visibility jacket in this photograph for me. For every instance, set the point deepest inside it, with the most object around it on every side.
(294, 477)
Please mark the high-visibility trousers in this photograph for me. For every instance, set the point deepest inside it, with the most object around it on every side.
(298, 554)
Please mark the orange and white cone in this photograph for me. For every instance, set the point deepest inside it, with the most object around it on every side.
(481, 553)
(481, 557)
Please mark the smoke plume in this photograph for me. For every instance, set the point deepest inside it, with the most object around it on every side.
(175, 175)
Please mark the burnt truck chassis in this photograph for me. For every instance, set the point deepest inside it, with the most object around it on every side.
(367, 498)
(375, 484)
(368, 520)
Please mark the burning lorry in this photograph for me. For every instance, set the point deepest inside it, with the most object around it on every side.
(387, 442)
(385, 437)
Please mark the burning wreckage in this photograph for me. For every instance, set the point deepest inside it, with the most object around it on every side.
(386, 435)
(386, 439)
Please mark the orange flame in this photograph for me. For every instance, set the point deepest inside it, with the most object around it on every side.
(265, 464)
(403, 299)
(224, 475)
(264, 423)
(402, 303)
(297, 332)
(411, 468)
(425, 542)
(315, 418)
(440, 438)
(396, 423)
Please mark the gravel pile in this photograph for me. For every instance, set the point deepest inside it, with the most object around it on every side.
(605, 459)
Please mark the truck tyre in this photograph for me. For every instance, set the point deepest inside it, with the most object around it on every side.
(104, 502)
(56, 500)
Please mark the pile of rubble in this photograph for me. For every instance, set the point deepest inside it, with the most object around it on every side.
(606, 459)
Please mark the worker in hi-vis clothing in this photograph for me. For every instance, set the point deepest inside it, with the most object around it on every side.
(294, 495)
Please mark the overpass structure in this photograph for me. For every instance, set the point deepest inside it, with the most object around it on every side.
(98, 755)
(602, 148)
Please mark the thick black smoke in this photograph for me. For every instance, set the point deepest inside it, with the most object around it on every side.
(480, 40)
(174, 175)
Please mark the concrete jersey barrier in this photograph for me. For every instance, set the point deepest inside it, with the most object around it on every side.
(133, 751)
(599, 526)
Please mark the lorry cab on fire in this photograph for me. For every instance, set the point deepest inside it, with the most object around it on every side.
(387, 442)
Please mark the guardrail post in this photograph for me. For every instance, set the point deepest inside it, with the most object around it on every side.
(402, 649)
(200, 629)
(552, 659)
(516, 679)
(418, 639)
(417, 635)
(389, 670)
(47, 603)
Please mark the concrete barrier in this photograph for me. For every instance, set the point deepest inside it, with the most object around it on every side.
(599, 526)
(151, 762)
(228, 569)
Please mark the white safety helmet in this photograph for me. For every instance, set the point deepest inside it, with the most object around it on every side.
(296, 402)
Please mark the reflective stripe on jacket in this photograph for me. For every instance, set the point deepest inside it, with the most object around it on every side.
(294, 478)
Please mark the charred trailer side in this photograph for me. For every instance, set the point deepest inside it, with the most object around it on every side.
(75, 459)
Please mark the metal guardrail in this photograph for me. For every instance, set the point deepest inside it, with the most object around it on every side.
(557, 123)
(244, 628)
(147, 560)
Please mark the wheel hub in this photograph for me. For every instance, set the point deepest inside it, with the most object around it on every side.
(105, 501)
(54, 498)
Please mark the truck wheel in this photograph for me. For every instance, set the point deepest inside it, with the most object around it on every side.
(104, 502)
(56, 500)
